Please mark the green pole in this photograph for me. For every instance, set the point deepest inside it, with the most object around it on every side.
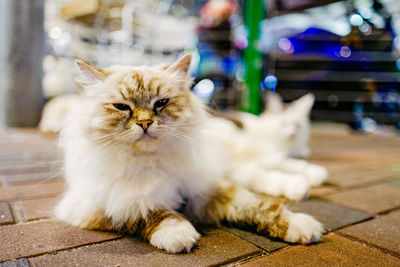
(254, 13)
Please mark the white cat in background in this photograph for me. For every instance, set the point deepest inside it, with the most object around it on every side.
(261, 153)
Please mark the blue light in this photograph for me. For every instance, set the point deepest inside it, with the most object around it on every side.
(269, 82)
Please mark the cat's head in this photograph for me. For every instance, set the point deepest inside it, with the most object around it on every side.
(139, 106)
(289, 124)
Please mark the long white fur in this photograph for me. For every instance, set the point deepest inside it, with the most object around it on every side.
(260, 154)
(126, 186)
(112, 178)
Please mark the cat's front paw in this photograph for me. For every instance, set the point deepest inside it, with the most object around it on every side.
(175, 236)
(316, 175)
(303, 229)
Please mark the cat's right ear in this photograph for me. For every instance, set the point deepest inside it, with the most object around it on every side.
(88, 74)
(181, 65)
(274, 103)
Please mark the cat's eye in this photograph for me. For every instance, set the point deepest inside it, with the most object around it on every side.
(122, 107)
(160, 103)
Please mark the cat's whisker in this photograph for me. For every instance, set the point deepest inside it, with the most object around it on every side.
(181, 136)
(104, 137)
(54, 176)
(187, 125)
(52, 162)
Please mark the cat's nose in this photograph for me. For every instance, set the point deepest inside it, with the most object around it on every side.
(145, 124)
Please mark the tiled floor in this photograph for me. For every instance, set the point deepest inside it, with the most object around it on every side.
(359, 206)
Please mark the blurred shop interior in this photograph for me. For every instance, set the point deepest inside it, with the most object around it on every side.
(344, 52)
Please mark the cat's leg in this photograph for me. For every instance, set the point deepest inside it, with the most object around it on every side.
(169, 231)
(267, 214)
(255, 176)
(315, 174)
(163, 229)
(82, 211)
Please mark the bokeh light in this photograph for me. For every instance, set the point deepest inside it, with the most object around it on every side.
(270, 82)
(285, 45)
(356, 20)
(345, 51)
(204, 89)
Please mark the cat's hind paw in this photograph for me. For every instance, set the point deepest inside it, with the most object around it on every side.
(175, 236)
(303, 229)
(316, 175)
(296, 187)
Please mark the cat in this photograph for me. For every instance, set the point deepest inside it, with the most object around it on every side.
(139, 147)
(261, 149)
(283, 132)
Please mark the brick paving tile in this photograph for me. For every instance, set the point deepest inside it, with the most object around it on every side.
(37, 208)
(26, 146)
(6, 216)
(373, 199)
(214, 247)
(394, 183)
(263, 242)
(333, 251)
(323, 190)
(16, 192)
(383, 232)
(351, 177)
(30, 178)
(23, 240)
(32, 167)
(24, 155)
(15, 263)
(330, 215)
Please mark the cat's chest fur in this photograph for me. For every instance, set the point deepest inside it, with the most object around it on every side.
(126, 185)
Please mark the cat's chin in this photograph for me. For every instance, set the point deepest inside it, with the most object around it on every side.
(147, 143)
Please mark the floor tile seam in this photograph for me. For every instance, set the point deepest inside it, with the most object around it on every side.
(9, 205)
(231, 262)
(249, 255)
(40, 196)
(16, 212)
(351, 165)
(55, 251)
(245, 260)
(369, 244)
(57, 179)
(347, 208)
(385, 212)
(374, 214)
(254, 243)
(381, 181)
(347, 225)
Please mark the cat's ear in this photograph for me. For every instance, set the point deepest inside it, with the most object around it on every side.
(274, 103)
(88, 74)
(302, 105)
(181, 65)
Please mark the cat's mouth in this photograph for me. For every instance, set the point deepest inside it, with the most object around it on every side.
(147, 137)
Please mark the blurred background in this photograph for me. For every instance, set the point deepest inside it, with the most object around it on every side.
(344, 52)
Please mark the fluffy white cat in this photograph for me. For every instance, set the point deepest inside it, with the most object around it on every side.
(261, 149)
(139, 146)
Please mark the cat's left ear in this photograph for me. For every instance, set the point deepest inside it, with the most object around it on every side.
(181, 65)
(303, 104)
(88, 74)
